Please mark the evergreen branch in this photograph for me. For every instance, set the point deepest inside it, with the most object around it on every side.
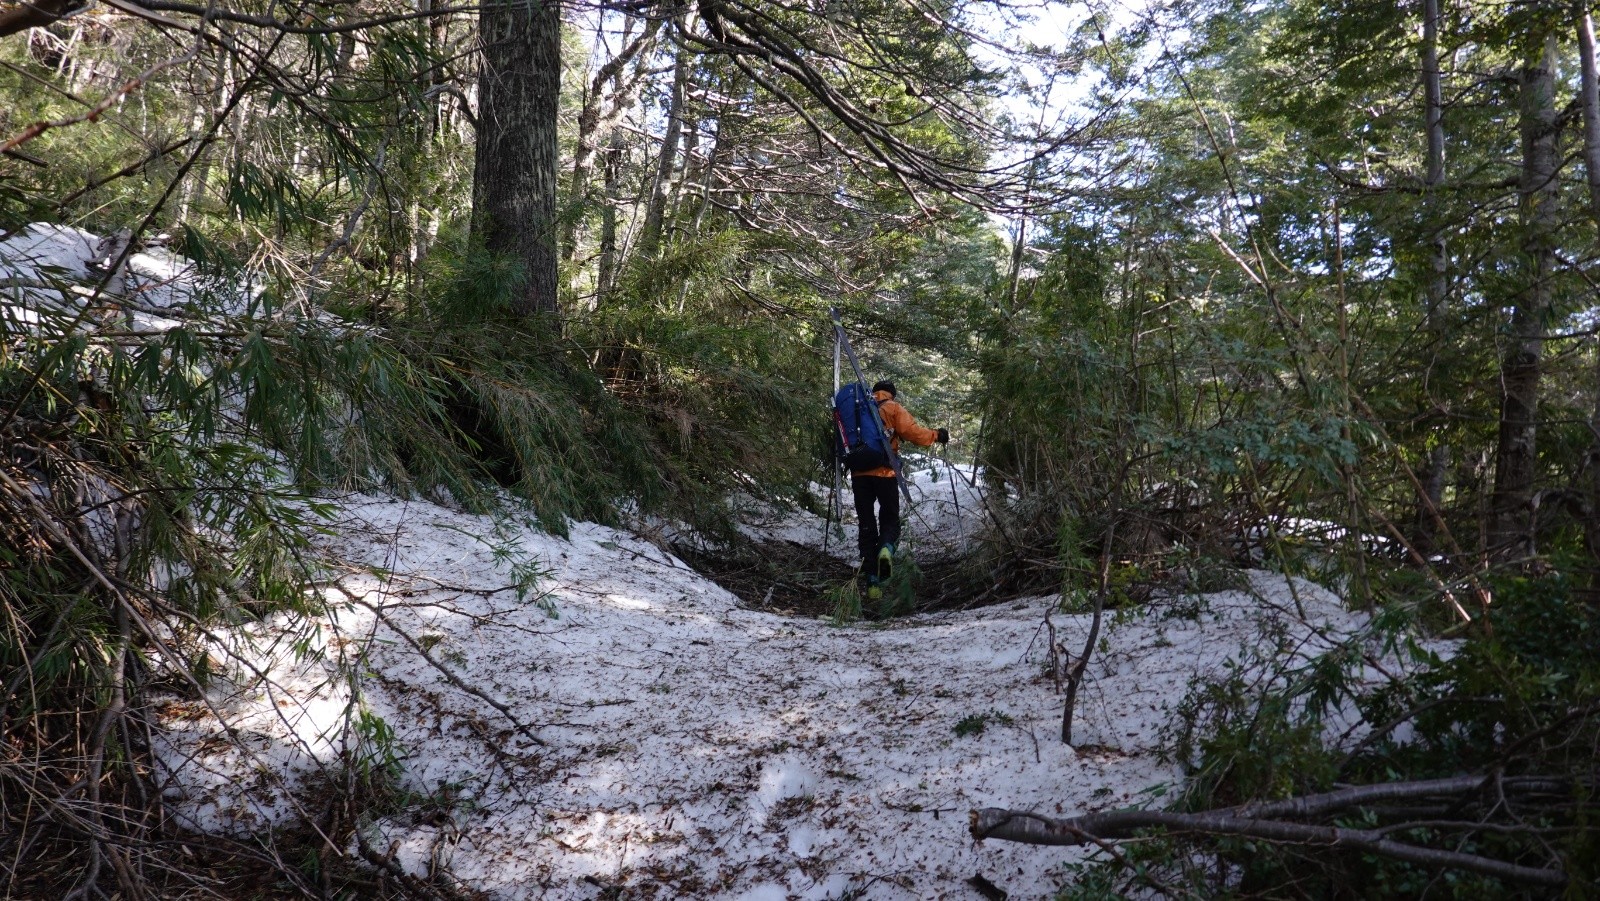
(131, 169)
(110, 100)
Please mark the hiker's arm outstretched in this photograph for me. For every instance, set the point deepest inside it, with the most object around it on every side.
(905, 427)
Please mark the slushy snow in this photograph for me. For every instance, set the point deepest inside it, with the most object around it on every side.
(688, 743)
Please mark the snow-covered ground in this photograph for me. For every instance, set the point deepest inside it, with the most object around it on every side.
(49, 270)
(691, 747)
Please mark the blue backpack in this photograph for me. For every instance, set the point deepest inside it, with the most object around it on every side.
(859, 440)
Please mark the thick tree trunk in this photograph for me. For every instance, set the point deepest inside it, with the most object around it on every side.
(1432, 477)
(514, 179)
(1516, 452)
(1589, 96)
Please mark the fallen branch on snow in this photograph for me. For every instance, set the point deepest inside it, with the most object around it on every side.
(1268, 821)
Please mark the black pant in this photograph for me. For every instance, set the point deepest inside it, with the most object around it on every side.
(882, 527)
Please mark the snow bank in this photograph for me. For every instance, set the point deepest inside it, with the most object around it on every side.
(49, 275)
(48, 269)
(696, 746)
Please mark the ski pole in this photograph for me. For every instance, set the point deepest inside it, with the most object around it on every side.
(835, 503)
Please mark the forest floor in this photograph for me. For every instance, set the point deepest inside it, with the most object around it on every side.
(635, 730)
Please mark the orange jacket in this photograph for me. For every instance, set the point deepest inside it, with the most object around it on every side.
(900, 425)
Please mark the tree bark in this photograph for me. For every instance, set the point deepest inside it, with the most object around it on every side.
(1589, 101)
(655, 212)
(515, 173)
(37, 13)
(606, 279)
(1432, 478)
(1516, 452)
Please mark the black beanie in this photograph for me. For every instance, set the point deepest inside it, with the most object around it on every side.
(884, 385)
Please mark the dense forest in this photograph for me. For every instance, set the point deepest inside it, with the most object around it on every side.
(1200, 288)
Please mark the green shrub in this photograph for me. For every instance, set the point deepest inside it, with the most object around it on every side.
(1520, 699)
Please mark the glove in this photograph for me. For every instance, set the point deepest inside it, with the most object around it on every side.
(944, 436)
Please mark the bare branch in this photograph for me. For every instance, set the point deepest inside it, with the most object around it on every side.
(1267, 821)
(36, 13)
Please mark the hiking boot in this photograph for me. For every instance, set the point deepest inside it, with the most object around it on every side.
(885, 562)
(874, 590)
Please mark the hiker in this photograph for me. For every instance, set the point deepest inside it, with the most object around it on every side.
(880, 529)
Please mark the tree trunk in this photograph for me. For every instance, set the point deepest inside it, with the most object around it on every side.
(1432, 477)
(681, 184)
(655, 213)
(610, 95)
(1589, 95)
(612, 166)
(514, 178)
(1516, 452)
(725, 129)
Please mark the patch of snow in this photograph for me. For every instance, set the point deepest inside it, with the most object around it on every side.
(783, 779)
(37, 264)
(47, 270)
(39, 252)
(688, 742)
(767, 891)
(948, 505)
(161, 280)
(285, 715)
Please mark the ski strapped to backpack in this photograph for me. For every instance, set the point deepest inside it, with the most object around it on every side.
(861, 437)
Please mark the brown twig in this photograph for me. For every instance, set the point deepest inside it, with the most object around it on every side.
(1075, 675)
